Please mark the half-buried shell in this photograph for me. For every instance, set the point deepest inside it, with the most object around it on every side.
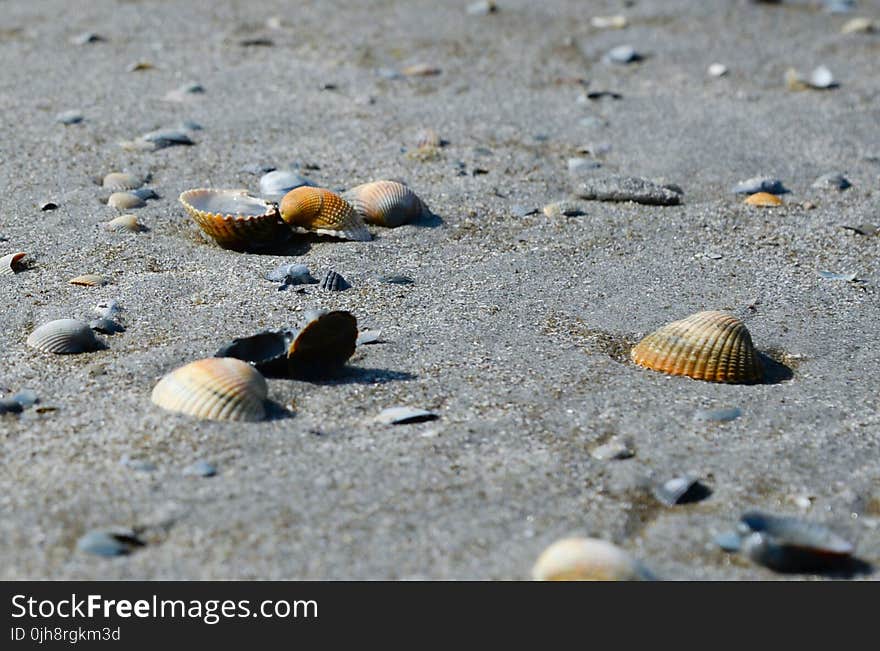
(127, 223)
(234, 219)
(216, 389)
(386, 203)
(587, 559)
(64, 337)
(763, 200)
(10, 264)
(121, 181)
(712, 346)
(318, 210)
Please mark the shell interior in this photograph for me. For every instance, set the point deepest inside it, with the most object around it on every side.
(266, 351)
(324, 345)
(234, 219)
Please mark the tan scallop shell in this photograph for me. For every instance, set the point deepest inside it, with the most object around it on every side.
(64, 336)
(234, 219)
(88, 280)
(712, 346)
(217, 388)
(9, 263)
(121, 181)
(763, 199)
(323, 344)
(586, 559)
(125, 201)
(386, 203)
(127, 223)
(318, 210)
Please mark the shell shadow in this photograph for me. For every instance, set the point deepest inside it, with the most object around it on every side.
(274, 411)
(775, 372)
(361, 375)
(832, 567)
(295, 246)
(429, 219)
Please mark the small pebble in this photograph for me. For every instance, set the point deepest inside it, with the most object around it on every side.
(184, 92)
(200, 469)
(622, 54)
(404, 416)
(717, 415)
(717, 70)
(821, 78)
(108, 543)
(107, 309)
(681, 490)
(519, 210)
(613, 449)
(69, 117)
(10, 406)
(291, 274)
(138, 66)
(729, 541)
(482, 8)
(26, 398)
(863, 229)
(759, 184)
(86, 37)
(140, 465)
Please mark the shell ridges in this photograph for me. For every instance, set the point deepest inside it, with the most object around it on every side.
(318, 210)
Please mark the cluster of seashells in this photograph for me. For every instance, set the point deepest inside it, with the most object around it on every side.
(237, 220)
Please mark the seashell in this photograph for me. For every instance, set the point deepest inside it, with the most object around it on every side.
(616, 448)
(832, 181)
(318, 210)
(717, 70)
(759, 184)
(233, 218)
(324, 344)
(681, 490)
(276, 183)
(121, 181)
(86, 37)
(396, 279)
(69, 117)
(200, 469)
(404, 416)
(64, 336)
(216, 388)
(420, 70)
(107, 309)
(858, 26)
(717, 415)
(265, 351)
(790, 544)
(482, 8)
(125, 201)
(88, 280)
(366, 337)
(833, 275)
(587, 559)
(110, 542)
(608, 22)
(167, 138)
(291, 274)
(622, 54)
(106, 326)
(712, 346)
(334, 282)
(127, 223)
(386, 203)
(10, 264)
(138, 66)
(428, 139)
(48, 205)
(821, 78)
(763, 200)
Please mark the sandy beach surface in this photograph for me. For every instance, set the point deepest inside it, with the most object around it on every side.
(517, 327)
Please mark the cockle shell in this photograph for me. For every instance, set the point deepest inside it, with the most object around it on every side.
(386, 203)
(216, 388)
(125, 201)
(334, 282)
(712, 346)
(763, 199)
(9, 264)
(121, 181)
(587, 559)
(127, 223)
(88, 280)
(64, 336)
(233, 218)
(318, 210)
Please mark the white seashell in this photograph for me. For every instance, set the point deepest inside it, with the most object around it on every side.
(121, 181)
(107, 309)
(822, 78)
(717, 70)
(127, 223)
(404, 416)
(587, 559)
(125, 201)
(9, 264)
(275, 184)
(64, 336)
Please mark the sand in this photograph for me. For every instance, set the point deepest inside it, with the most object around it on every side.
(516, 329)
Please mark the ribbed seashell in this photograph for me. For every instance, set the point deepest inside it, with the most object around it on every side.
(9, 263)
(234, 219)
(323, 344)
(125, 201)
(386, 203)
(334, 282)
(121, 181)
(712, 346)
(587, 559)
(217, 388)
(318, 210)
(763, 200)
(428, 138)
(64, 336)
(124, 223)
(88, 280)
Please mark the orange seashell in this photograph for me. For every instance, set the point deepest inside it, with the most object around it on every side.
(234, 219)
(216, 388)
(386, 203)
(763, 199)
(712, 346)
(88, 280)
(318, 210)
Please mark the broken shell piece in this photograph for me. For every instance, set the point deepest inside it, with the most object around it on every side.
(11, 263)
(215, 389)
(608, 22)
(712, 346)
(587, 559)
(127, 223)
(404, 416)
(681, 490)
(763, 200)
(89, 280)
(121, 181)
(385, 203)
(234, 219)
(64, 337)
(125, 201)
(318, 210)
